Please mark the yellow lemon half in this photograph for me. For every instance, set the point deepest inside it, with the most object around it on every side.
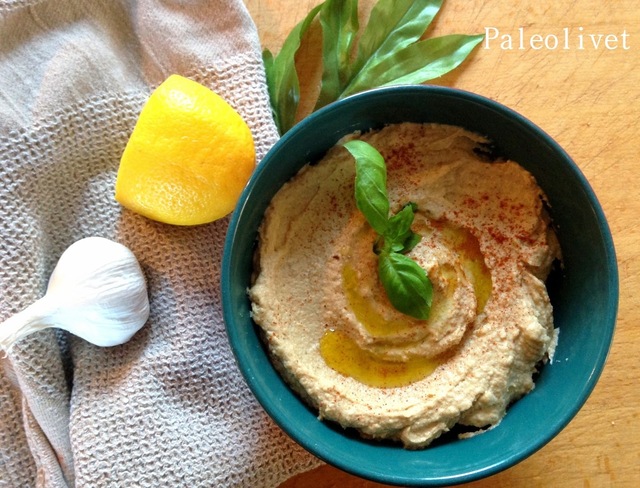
(188, 158)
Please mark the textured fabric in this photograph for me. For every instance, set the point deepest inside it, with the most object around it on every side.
(169, 408)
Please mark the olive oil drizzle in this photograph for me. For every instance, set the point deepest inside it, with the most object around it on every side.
(345, 356)
(467, 245)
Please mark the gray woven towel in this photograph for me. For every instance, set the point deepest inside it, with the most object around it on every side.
(170, 407)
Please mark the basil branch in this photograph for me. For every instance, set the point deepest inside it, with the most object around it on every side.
(405, 282)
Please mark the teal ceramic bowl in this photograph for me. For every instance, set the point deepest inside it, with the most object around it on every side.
(584, 294)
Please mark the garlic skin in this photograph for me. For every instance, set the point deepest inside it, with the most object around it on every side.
(97, 291)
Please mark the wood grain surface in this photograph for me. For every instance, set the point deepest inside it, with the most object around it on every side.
(585, 93)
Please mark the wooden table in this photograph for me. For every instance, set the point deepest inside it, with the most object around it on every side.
(585, 94)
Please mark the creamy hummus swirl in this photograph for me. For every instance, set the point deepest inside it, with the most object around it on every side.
(487, 247)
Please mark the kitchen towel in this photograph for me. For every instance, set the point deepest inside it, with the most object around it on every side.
(170, 407)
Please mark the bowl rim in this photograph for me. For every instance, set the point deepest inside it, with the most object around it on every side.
(281, 416)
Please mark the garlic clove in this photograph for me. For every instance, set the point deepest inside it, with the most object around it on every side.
(97, 291)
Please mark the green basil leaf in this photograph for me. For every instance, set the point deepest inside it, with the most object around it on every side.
(339, 21)
(370, 184)
(406, 283)
(401, 222)
(410, 241)
(393, 25)
(417, 63)
(399, 235)
(282, 77)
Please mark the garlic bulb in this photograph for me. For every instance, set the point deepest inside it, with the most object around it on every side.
(97, 291)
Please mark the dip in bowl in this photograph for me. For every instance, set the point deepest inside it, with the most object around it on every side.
(583, 293)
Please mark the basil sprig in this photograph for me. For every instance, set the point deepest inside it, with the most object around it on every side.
(389, 51)
(405, 282)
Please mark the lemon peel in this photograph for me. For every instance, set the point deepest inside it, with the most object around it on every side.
(188, 158)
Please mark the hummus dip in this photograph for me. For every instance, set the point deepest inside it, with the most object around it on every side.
(487, 247)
